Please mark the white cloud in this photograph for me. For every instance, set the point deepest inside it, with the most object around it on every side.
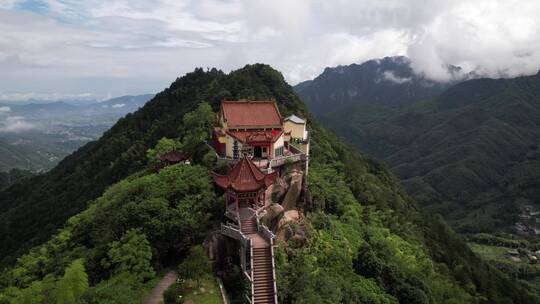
(118, 105)
(15, 124)
(128, 46)
(390, 76)
(5, 109)
(24, 97)
(9, 4)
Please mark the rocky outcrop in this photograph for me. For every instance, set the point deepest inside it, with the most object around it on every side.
(273, 212)
(291, 228)
(294, 190)
(279, 190)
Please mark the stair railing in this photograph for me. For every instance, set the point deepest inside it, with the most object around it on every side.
(252, 279)
(273, 269)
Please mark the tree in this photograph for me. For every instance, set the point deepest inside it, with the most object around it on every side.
(199, 122)
(132, 254)
(195, 266)
(74, 283)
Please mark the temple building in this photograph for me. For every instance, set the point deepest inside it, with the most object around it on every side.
(257, 129)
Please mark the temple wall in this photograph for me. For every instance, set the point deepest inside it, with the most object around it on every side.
(297, 130)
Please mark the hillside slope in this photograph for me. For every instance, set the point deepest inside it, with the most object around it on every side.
(367, 241)
(471, 155)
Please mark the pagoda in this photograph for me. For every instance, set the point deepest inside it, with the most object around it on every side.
(245, 185)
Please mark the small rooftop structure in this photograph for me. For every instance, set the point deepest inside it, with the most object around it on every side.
(295, 119)
(173, 157)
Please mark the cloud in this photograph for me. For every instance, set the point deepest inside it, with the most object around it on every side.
(5, 109)
(15, 124)
(31, 96)
(127, 46)
(390, 76)
(118, 105)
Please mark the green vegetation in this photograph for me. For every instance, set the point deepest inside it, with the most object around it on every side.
(195, 266)
(12, 176)
(369, 244)
(366, 240)
(470, 154)
(517, 258)
(196, 281)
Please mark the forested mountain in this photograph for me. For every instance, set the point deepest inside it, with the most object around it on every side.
(471, 154)
(367, 241)
(380, 82)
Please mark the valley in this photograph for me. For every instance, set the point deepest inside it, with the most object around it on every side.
(37, 136)
(468, 152)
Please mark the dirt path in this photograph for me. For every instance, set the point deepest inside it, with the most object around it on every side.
(156, 294)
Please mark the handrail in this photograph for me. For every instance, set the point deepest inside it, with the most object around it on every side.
(273, 270)
(234, 233)
(267, 233)
(252, 278)
(231, 215)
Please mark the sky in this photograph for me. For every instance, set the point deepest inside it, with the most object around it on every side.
(75, 49)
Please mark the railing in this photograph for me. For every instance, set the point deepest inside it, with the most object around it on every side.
(273, 269)
(235, 233)
(280, 160)
(268, 164)
(252, 278)
(229, 160)
(231, 215)
(266, 233)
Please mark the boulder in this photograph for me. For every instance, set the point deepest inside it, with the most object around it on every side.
(272, 212)
(292, 229)
(293, 193)
(279, 190)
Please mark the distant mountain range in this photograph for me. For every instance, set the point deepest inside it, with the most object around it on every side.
(37, 135)
(117, 105)
(384, 82)
(469, 151)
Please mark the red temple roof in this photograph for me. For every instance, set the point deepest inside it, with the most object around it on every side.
(173, 156)
(251, 113)
(245, 176)
(256, 136)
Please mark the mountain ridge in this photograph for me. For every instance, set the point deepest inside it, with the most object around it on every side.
(389, 81)
(392, 250)
(489, 124)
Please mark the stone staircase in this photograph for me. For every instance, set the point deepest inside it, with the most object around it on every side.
(263, 283)
(262, 263)
(249, 225)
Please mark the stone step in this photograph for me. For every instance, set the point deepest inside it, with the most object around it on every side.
(265, 287)
(267, 300)
(269, 296)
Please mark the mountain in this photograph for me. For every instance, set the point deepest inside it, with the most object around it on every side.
(470, 154)
(381, 82)
(366, 241)
(122, 104)
(42, 108)
(37, 135)
(13, 176)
